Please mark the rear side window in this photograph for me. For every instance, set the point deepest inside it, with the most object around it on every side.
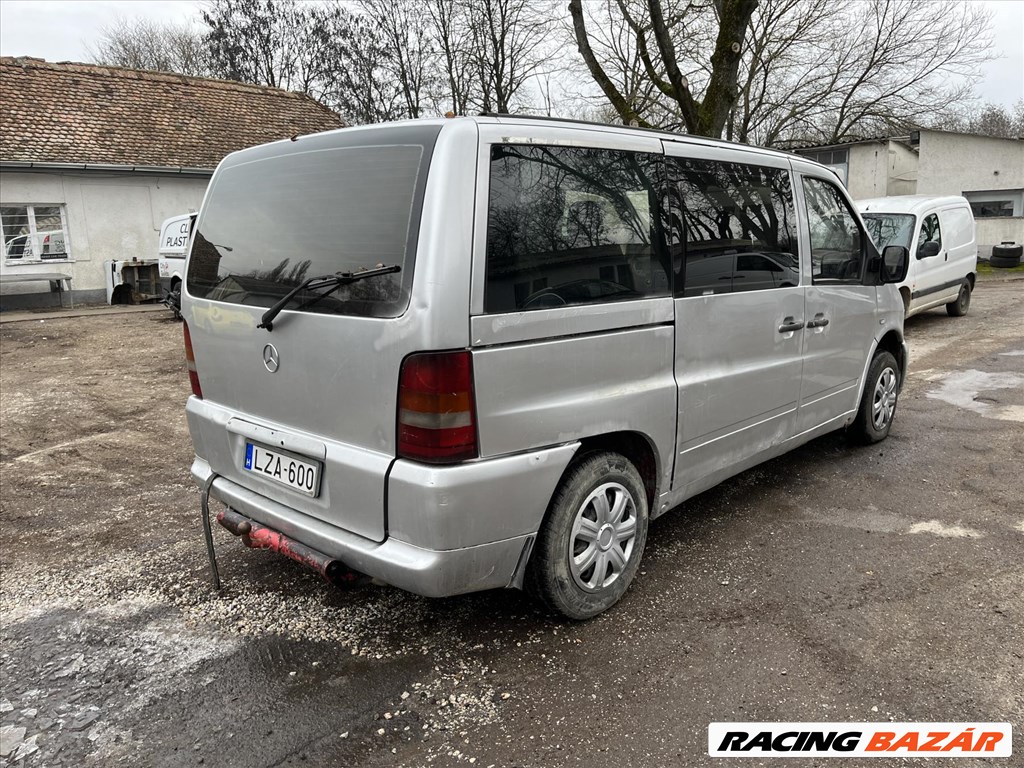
(277, 220)
(739, 224)
(837, 245)
(571, 225)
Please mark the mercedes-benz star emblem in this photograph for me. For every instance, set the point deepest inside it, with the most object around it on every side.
(271, 360)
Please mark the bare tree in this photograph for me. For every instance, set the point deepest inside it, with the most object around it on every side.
(508, 48)
(406, 33)
(271, 42)
(897, 61)
(145, 44)
(989, 120)
(356, 70)
(657, 36)
(453, 40)
(805, 70)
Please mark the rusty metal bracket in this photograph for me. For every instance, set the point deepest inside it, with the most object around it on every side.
(208, 529)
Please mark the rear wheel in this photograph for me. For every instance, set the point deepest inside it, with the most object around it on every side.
(173, 300)
(959, 307)
(878, 403)
(590, 545)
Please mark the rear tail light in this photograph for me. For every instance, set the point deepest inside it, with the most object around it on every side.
(190, 362)
(436, 415)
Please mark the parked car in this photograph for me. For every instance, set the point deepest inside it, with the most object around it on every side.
(401, 394)
(939, 231)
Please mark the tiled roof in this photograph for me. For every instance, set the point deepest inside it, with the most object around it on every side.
(84, 113)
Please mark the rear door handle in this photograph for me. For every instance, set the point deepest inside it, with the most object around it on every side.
(789, 325)
(819, 321)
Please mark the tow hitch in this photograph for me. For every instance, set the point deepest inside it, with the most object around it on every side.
(257, 536)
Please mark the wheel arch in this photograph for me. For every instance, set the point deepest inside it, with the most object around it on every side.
(892, 342)
(636, 447)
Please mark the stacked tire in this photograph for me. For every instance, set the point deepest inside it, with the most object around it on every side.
(1006, 256)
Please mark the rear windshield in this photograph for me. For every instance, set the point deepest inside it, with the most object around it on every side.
(273, 221)
(889, 228)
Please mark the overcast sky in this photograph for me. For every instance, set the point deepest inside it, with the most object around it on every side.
(60, 30)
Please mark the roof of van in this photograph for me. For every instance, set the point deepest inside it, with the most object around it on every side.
(630, 130)
(908, 203)
(626, 130)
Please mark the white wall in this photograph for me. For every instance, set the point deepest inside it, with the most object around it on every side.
(109, 216)
(903, 170)
(989, 232)
(867, 170)
(952, 163)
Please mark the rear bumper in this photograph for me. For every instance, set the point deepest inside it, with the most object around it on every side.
(452, 529)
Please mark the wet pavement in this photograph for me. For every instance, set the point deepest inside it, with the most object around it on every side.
(832, 584)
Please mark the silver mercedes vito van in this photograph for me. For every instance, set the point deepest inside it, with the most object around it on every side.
(469, 353)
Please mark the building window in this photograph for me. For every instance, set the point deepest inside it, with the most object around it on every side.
(34, 232)
(996, 205)
(836, 160)
(992, 209)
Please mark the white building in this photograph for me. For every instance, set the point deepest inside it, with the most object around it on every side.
(988, 171)
(93, 159)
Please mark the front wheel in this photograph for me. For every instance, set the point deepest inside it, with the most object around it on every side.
(959, 307)
(590, 545)
(878, 403)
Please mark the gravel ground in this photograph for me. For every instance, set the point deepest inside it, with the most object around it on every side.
(832, 584)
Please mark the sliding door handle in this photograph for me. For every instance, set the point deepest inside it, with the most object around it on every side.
(789, 325)
(819, 321)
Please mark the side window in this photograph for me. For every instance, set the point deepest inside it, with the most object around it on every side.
(740, 227)
(930, 232)
(571, 225)
(837, 244)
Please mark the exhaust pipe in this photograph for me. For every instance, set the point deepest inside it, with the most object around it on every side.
(258, 536)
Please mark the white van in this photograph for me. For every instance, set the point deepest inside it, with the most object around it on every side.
(172, 248)
(939, 231)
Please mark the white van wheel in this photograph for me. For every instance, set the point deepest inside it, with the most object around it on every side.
(959, 307)
(590, 545)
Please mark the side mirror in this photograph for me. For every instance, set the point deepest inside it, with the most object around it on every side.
(929, 249)
(895, 262)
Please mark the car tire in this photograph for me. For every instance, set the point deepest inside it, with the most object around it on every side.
(1004, 262)
(959, 307)
(590, 544)
(878, 403)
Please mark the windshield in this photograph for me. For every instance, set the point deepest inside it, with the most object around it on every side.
(889, 228)
(274, 221)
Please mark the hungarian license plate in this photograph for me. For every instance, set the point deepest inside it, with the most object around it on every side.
(299, 475)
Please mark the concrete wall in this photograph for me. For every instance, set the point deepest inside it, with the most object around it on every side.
(109, 216)
(881, 169)
(989, 232)
(953, 163)
(867, 170)
(902, 170)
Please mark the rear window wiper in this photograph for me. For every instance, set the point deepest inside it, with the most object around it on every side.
(322, 281)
